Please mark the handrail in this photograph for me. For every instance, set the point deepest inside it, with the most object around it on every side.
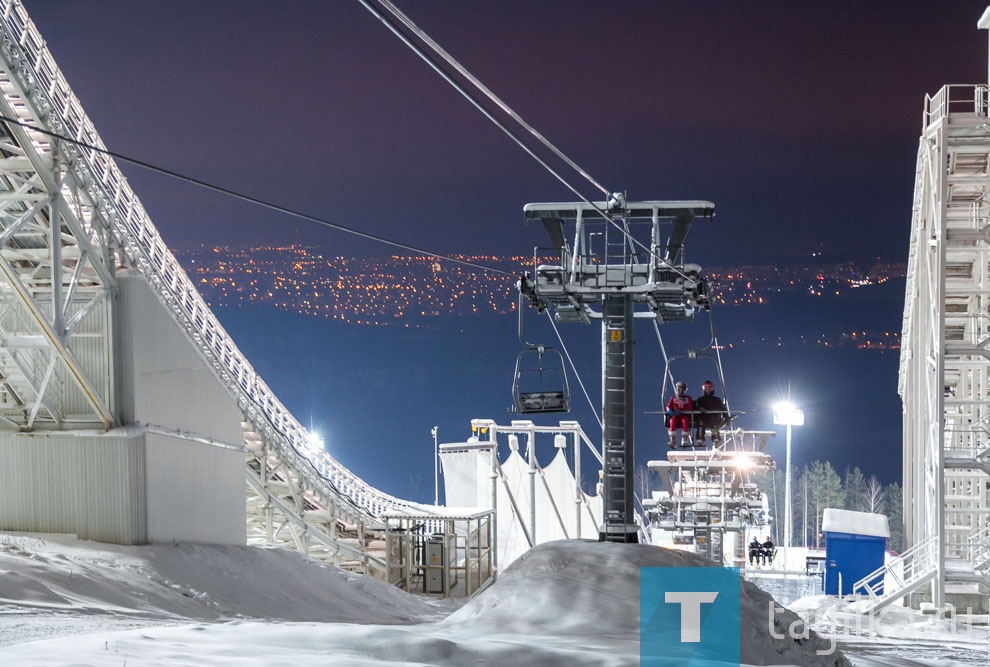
(956, 98)
(979, 543)
(917, 562)
(122, 215)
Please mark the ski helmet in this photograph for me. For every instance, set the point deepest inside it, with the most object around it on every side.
(707, 384)
(681, 385)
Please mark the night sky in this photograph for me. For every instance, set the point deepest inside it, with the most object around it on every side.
(799, 120)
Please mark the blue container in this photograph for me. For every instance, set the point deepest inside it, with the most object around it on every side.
(853, 557)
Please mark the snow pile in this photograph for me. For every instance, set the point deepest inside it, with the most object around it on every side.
(852, 620)
(188, 581)
(587, 589)
(66, 602)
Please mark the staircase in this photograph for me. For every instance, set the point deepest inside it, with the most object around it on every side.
(919, 567)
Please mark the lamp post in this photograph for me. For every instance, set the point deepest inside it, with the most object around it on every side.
(787, 415)
(436, 467)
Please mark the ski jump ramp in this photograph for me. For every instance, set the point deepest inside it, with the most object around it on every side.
(127, 413)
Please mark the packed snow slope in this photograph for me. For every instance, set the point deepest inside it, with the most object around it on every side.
(63, 601)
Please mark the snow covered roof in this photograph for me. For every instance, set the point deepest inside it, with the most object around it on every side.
(855, 523)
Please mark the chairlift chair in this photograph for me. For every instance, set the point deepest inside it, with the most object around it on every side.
(544, 388)
(532, 392)
(695, 355)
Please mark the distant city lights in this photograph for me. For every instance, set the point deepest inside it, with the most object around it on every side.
(412, 292)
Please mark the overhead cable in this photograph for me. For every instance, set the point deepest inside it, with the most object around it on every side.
(255, 200)
(577, 376)
(425, 57)
(488, 93)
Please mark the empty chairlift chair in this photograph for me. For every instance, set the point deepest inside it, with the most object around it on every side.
(540, 385)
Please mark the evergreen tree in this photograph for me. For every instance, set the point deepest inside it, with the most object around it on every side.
(824, 491)
(894, 498)
(797, 509)
(799, 503)
(855, 484)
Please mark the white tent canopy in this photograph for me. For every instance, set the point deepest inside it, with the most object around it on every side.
(516, 484)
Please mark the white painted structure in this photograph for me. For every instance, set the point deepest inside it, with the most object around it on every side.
(126, 411)
(534, 503)
(944, 378)
(709, 502)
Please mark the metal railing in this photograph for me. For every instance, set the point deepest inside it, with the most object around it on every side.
(957, 98)
(918, 567)
(121, 213)
(979, 545)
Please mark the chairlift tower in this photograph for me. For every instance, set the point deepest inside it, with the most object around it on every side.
(620, 256)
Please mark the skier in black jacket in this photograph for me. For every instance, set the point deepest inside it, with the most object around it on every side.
(712, 414)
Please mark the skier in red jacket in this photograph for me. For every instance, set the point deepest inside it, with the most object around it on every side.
(679, 408)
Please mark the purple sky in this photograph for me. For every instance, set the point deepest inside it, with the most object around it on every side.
(799, 120)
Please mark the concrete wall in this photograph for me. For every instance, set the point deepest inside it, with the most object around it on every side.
(88, 485)
(173, 472)
(162, 378)
(123, 487)
(195, 492)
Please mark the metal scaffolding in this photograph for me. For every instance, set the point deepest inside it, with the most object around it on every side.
(944, 379)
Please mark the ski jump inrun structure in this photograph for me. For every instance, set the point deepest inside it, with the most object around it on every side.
(126, 410)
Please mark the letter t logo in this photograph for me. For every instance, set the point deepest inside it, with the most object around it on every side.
(690, 611)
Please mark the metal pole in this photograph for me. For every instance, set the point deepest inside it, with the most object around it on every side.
(983, 24)
(577, 485)
(531, 452)
(436, 467)
(493, 489)
(787, 497)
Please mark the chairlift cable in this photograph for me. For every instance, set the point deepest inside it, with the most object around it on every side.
(480, 107)
(469, 97)
(594, 409)
(488, 93)
(252, 200)
(666, 360)
(718, 355)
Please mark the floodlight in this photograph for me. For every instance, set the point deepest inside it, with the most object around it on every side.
(786, 414)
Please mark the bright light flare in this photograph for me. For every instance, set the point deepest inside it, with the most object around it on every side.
(787, 415)
(743, 462)
(314, 441)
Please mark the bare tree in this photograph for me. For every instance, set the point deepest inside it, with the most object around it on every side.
(873, 496)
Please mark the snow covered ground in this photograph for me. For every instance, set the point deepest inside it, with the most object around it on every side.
(68, 602)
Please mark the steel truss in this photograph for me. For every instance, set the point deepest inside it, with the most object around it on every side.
(68, 222)
(944, 378)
